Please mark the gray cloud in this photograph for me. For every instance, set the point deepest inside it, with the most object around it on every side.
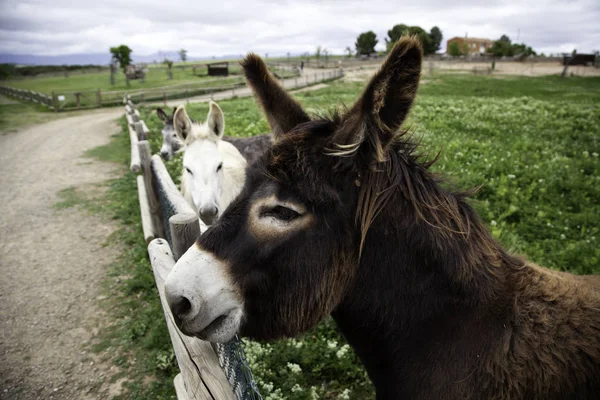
(207, 28)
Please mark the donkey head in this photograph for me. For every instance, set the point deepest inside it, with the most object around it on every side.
(286, 251)
(171, 142)
(202, 160)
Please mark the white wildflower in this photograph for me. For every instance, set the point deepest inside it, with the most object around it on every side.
(332, 344)
(313, 393)
(345, 395)
(595, 154)
(268, 387)
(296, 388)
(494, 223)
(342, 351)
(295, 368)
(511, 176)
(562, 236)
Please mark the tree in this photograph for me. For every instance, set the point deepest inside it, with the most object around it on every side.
(318, 52)
(183, 55)
(394, 34)
(349, 51)
(503, 47)
(430, 41)
(454, 49)
(122, 55)
(366, 42)
(435, 34)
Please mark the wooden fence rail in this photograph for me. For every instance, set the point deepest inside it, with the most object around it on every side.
(88, 99)
(201, 375)
(28, 95)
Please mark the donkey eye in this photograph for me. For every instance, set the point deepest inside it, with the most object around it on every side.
(189, 171)
(282, 213)
(219, 167)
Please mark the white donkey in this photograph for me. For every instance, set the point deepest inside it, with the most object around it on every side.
(214, 171)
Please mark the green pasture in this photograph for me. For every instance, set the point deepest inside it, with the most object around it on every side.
(156, 77)
(532, 145)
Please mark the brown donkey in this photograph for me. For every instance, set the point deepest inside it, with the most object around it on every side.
(341, 216)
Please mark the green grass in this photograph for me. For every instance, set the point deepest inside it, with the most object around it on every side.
(532, 147)
(156, 77)
(19, 115)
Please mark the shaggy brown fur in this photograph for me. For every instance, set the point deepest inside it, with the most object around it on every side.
(431, 303)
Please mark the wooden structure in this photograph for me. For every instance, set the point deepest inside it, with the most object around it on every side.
(133, 71)
(28, 95)
(471, 46)
(217, 88)
(220, 68)
(580, 59)
(201, 375)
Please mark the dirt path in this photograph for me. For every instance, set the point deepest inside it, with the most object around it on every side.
(309, 80)
(51, 261)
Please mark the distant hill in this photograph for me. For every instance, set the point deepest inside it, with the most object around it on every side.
(90, 58)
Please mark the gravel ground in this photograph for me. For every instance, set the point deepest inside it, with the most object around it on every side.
(52, 262)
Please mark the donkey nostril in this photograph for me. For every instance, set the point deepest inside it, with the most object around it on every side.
(180, 306)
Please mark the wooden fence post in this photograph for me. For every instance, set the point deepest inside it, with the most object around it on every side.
(201, 374)
(77, 99)
(185, 229)
(54, 101)
(153, 203)
(99, 97)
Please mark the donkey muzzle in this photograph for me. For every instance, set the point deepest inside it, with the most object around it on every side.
(202, 298)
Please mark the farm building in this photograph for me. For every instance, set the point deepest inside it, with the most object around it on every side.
(472, 46)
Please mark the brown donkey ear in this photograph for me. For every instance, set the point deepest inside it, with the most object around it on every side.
(376, 117)
(162, 115)
(282, 111)
(182, 123)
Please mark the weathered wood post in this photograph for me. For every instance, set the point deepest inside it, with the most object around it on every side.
(113, 70)
(152, 198)
(54, 101)
(77, 99)
(99, 97)
(201, 376)
(134, 166)
(139, 129)
(185, 229)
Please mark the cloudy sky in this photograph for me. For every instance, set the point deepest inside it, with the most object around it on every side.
(225, 27)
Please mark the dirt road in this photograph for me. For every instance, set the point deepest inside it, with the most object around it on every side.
(52, 261)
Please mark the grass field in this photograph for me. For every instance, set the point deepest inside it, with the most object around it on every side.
(156, 77)
(15, 115)
(532, 144)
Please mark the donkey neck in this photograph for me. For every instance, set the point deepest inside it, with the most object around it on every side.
(419, 292)
(234, 172)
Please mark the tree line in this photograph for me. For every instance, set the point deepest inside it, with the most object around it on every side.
(432, 40)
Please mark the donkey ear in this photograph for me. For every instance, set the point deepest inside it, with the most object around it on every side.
(216, 120)
(182, 123)
(162, 115)
(282, 111)
(376, 117)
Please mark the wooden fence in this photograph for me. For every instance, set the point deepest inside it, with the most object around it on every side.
(201, 375)
(88, 99)
(27, 95)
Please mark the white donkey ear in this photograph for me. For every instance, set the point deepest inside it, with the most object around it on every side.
(182, 123)
(216, 120)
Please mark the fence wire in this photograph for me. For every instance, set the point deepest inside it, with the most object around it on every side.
(231, 355)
